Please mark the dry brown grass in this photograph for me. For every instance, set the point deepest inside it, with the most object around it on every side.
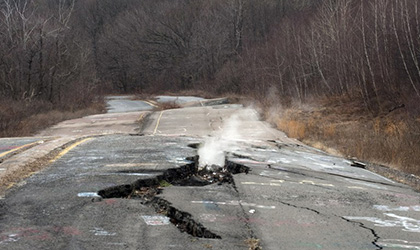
(168, 105)
(294, 128)
(342, 127)
(24, 119)
(191, 92)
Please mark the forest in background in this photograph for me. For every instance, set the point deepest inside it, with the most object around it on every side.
(64, 54)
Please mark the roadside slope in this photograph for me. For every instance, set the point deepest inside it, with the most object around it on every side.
(345, 128)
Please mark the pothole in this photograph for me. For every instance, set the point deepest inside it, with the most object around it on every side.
(147, 190)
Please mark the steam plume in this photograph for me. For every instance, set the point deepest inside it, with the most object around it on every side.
(212, 152)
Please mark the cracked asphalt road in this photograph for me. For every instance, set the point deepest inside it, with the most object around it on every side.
(294, 196)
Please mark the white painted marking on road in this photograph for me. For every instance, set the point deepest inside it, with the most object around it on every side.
(101, 232)
(2, 169)
(402, 241)
(400, 208)
(356, 187)
(315, 184)
(261, 184)
(88, 194)
(209, 217)
(408, 224)
(133, 174)
(182, 161)
(9, 238)
(156, 220)
(233, 203)
(402, 246)
(250, 161)
(274, 174)
(113, 174)
(131, 164)
(170, 135)
(395, 243)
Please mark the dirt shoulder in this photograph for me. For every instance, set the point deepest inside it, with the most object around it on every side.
(25, 119)
(24, 164)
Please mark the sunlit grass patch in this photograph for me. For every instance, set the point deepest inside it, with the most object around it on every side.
(392, 139)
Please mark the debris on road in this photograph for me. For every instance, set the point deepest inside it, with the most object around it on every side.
(358, 164)
(253, 244)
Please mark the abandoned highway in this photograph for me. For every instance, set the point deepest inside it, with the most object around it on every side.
(135, 178)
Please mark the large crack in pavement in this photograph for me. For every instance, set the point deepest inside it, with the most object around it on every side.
(252, 241)
(376, 236)
(146, 190)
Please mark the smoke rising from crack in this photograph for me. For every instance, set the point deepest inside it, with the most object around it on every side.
(233, 131)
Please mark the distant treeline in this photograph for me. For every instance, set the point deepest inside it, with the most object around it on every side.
(63, 51)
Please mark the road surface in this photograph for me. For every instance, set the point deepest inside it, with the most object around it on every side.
(123, 104)
(101, 191)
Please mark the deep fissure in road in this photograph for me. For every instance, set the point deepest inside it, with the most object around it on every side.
(147, 190)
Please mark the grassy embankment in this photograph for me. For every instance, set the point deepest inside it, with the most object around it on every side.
(345, 128)
(26, 118)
